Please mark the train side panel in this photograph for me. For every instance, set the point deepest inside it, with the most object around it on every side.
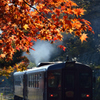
(18, 85)
(35, 86)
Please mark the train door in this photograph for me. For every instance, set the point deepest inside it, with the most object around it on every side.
(69, 85)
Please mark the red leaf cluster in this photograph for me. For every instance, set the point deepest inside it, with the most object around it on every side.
(22, 22)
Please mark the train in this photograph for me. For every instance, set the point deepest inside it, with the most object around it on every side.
(54, 81)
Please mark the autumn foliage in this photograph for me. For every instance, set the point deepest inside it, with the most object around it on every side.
(22, 22)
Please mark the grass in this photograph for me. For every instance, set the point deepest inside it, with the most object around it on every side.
(6, 97)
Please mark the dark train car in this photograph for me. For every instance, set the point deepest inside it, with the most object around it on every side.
(54, 81)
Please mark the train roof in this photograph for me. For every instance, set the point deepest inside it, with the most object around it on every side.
(52, 66)
(43, 67)
(19, 73)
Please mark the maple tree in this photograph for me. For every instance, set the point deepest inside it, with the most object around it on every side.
(22, 22)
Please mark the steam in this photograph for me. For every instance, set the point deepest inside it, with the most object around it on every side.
(43, 52)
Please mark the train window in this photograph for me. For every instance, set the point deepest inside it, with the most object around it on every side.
(85, 80)
(32, 80)
(17, 80)
(37, 84)
(38, 80)
(29, 80)
(35, 80)
(54, 79)
(69, 80)
(40, 75)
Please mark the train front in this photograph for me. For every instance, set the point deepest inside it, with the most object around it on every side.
(69, 81)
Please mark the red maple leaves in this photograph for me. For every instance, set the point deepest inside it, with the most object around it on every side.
(23, 21)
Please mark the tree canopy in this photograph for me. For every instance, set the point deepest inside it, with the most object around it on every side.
(22, 22)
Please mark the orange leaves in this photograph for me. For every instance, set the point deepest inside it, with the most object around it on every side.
(1, 41)
(69, 23)
(70, 30)
(20, 0)
(53, 16)
(63, 7)
(2, 56)
(57, 11)
(46, 11)
(77, 24)
(78, 11)
(23, 23)
(4, 27)
(22, 65)
(62, 47)
(69, 11)
(83, 37)
(25, 27)
(70, 3)
(6, 71)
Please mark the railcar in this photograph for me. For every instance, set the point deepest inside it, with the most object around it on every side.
(54, 81)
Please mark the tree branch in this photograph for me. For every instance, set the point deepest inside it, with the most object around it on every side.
(36, 10)
(31, 6)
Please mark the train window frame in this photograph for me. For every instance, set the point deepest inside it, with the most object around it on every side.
(34, 80)
(40, 75)
(29, 79)
(18, 81)
(37, 80)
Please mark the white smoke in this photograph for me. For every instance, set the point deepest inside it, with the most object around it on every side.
(43, 52)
